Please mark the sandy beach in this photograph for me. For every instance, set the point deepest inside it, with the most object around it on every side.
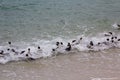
(103, 65)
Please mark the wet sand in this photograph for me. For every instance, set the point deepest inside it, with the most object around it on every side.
(103, 65)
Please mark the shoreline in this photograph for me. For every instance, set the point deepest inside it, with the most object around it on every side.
(79, 66)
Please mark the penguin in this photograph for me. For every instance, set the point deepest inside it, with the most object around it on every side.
(68, 47)
(76, 42)
(91, 44)
(116, 26)
(22, 52)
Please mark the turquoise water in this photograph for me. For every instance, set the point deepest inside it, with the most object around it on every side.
(27, 20)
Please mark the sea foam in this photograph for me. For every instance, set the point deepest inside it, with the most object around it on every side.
(47, 47)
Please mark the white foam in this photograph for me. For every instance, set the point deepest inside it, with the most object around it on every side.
(47, 46)
(115, 26)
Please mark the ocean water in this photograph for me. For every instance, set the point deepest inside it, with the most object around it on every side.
(32, 23)
(23, 20)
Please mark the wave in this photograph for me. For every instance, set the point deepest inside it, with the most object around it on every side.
(16, 7)
(46, 48)
(9, 7)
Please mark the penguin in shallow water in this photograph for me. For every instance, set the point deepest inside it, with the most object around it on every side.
(11, 46)
(116, 26)
(57, 44)
(39, 50)
(29, 58)
(112, 37)
(9, 43)
(8, 49)
(73, 41)
(2, 52)
(53, 49)
(91, 44)
(38, 47)
(118, 39)
(14, 51)
(22, 52)
(112, 41)
(99, 43)
(61, 43)
(29, 55)
(115, 37)
(68, 47)
(108, 34)
(107, 42)
(76, 42)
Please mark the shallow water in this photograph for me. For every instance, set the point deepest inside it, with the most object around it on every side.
(23, 20)
(79, 66)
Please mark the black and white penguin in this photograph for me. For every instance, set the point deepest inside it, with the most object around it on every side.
(108, 34)
(116, 26)
(68, 47)
(90, 45)
(76, 42)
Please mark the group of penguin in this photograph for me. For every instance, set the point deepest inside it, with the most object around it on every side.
(111, 41)
(12, 52)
